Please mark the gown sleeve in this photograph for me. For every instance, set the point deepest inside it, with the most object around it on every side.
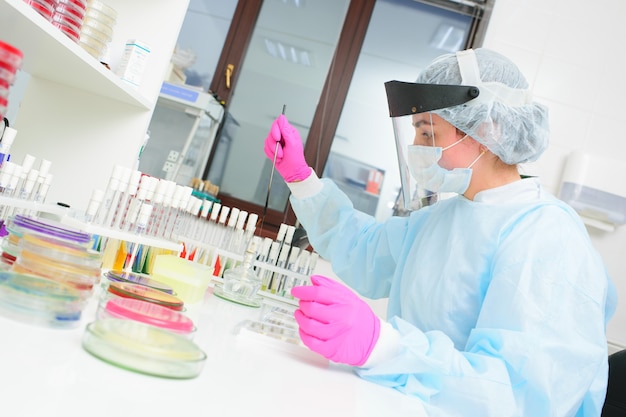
(363, 253)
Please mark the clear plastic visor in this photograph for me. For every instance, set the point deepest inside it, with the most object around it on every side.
(406, 130)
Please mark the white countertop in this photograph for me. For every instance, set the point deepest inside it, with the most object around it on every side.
(46, 372)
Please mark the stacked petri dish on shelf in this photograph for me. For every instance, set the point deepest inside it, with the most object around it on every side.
(68, 17)
(10, 62)
(97, 28)
(43, 7)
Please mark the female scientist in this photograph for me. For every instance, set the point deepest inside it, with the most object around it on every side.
(498, 302)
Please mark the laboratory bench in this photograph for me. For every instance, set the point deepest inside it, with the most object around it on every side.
(46, 372)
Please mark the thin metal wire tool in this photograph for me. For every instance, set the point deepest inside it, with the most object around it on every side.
(269, 185)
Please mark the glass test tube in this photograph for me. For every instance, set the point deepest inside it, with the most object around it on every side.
(114, 206)
(272, 257)
(126, 198)
(140, 229)
(109, 194)
(287, 280)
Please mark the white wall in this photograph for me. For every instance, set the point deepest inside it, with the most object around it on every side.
(571, 53)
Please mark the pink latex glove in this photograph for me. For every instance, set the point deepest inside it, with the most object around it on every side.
(290, 162)
(335, 322)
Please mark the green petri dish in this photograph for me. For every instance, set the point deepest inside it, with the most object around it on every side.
(143, 348)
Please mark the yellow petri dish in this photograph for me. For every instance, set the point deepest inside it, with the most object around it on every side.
(143, 348)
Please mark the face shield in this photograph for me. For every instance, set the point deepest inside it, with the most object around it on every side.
(406, 102)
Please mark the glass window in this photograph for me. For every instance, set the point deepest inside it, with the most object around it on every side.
(201, 39)
(402, 38)
(286, 63)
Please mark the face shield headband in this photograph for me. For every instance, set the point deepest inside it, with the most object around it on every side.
(405, 100)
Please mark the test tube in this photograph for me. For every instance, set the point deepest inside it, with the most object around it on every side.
(263, 253)
(209, 234)
(140, 229)
(312, 264)
(94, 204)
(26, 190)
(250, 228)
(163, 192)
(114, 204)
(203, 220)
(126, 198)
(266, 274)
(145, 185)
(109, 194)
(6, 173)
(174, 211)
(287, 280)
(30, 178)
(20, 192)
(272, 286)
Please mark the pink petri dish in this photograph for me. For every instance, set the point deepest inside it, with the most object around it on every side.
(4, 88)
(42, 8)
(148, 313)
(10, 55)
(68, 31)
(68, 9)
(7, 72)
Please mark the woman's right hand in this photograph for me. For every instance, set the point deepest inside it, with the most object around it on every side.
(290, 162)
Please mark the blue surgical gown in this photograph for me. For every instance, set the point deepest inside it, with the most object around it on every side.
(501, 303)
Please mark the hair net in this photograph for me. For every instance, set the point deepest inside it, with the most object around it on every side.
(503, 117)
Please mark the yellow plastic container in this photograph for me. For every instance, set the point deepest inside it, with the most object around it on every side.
(189, 279)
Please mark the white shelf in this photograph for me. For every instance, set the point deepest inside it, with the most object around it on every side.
(49, 54)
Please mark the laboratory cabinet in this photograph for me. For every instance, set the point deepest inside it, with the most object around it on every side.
(74, 111)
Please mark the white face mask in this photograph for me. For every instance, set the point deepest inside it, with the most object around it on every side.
(425, 168)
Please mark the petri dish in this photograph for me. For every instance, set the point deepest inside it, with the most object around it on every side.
(95, 24)
(137, 278)
(43, 8)
(95, 34)
(62, 253)
(71, 10)
(93, 43)
(141, 292)
(81, 4)
(99, 9)
(37, 300)
(22, 224)
(256, 301)
(94, 52)
(143, 348)
(10, 55)
(7, 72)
(148, 313)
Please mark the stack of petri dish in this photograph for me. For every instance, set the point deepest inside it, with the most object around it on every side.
(135, 296)
(48, 249)
(68, 17)
(43, 7)
(97, 28)
(10, 62)
(40, 301)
